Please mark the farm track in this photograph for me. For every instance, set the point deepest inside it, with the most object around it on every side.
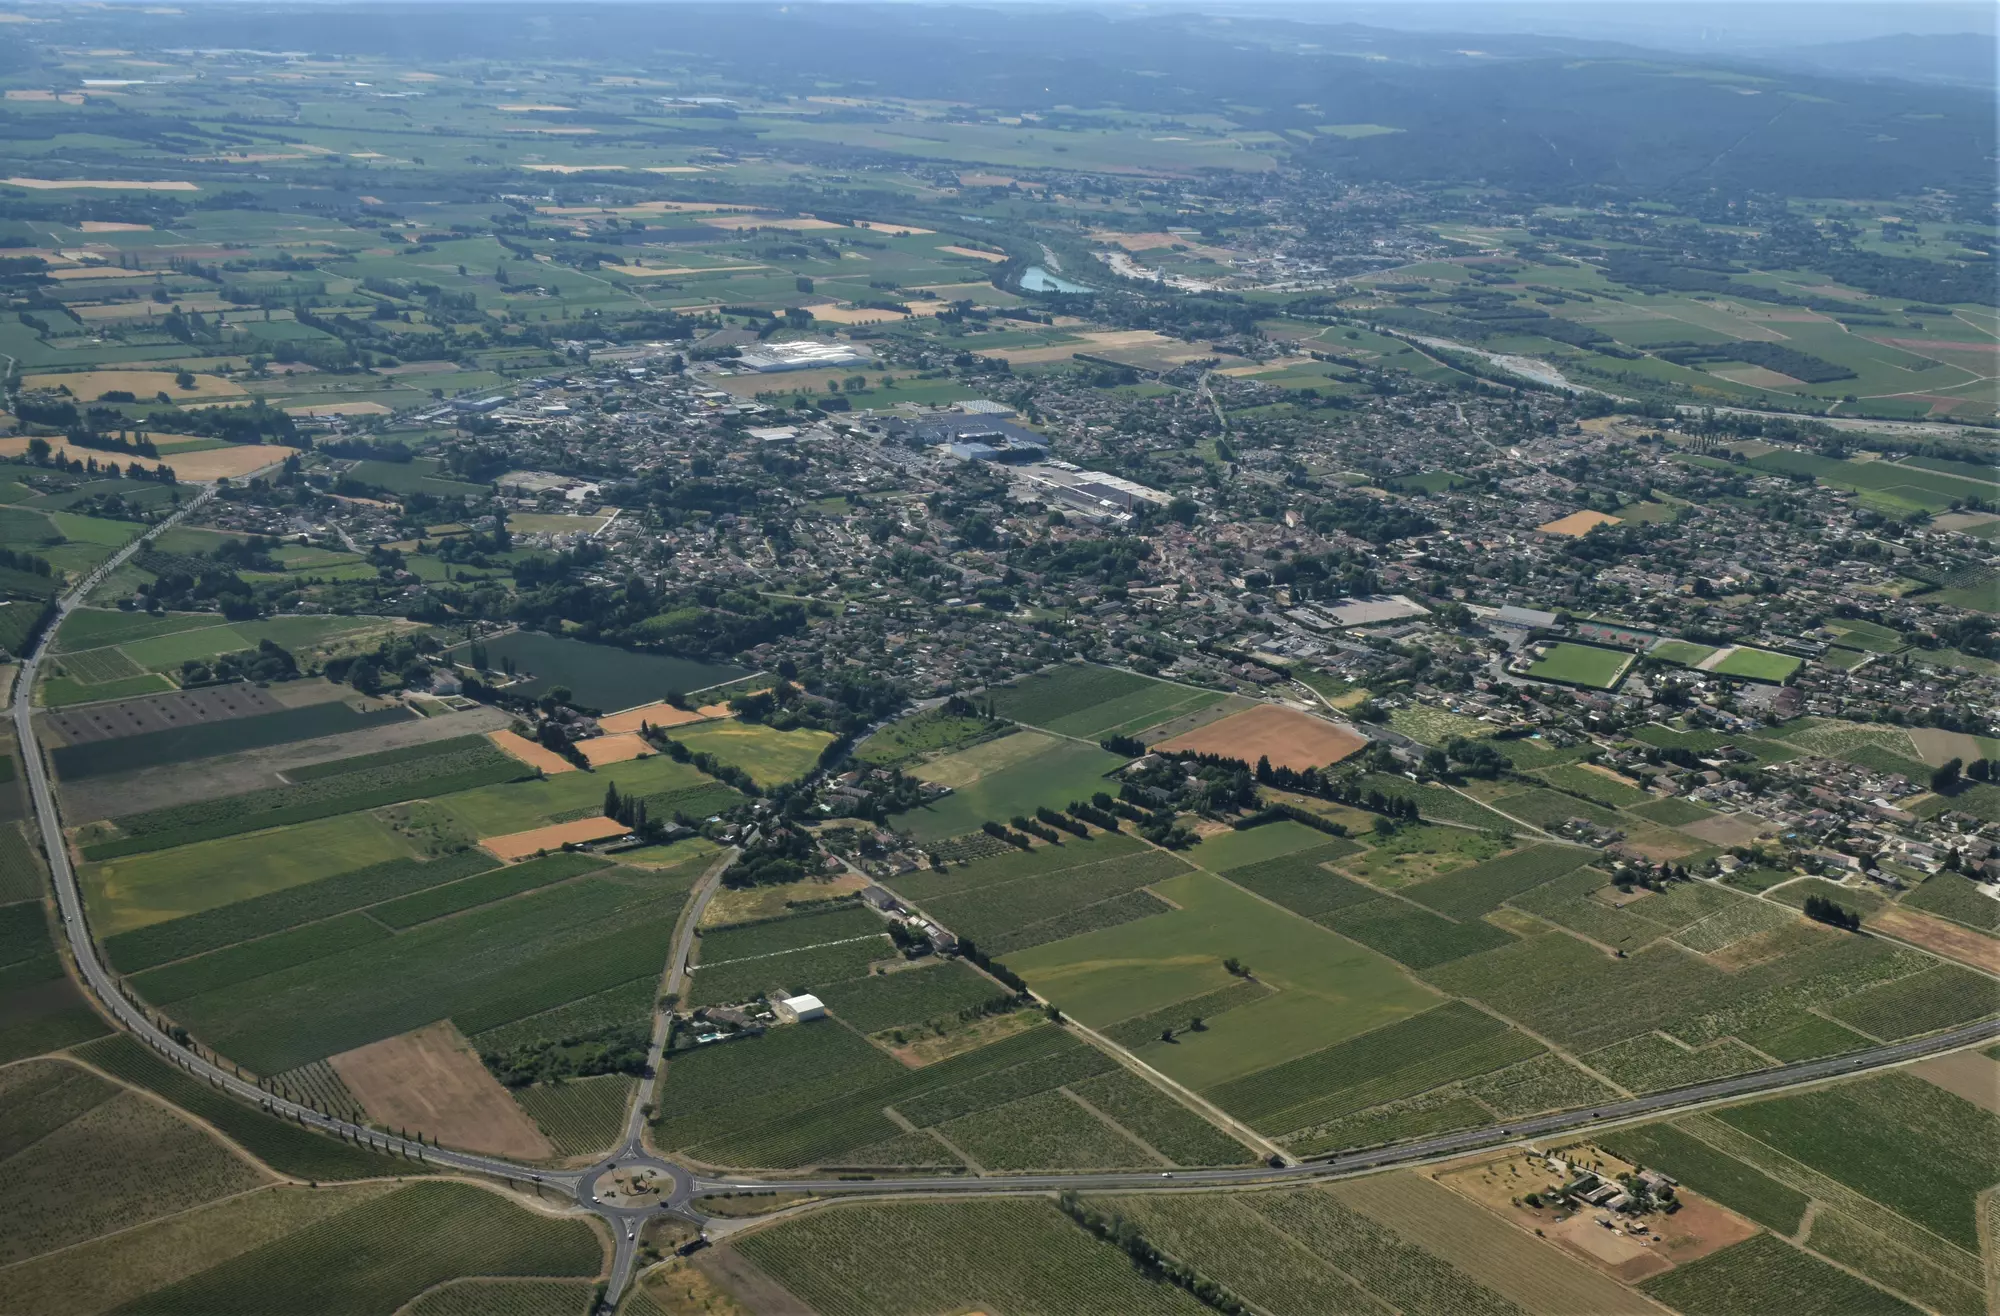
(624, 1222)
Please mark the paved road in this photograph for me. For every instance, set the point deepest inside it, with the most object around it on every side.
(104, 985)
(1429, 1149)
(625, 1220)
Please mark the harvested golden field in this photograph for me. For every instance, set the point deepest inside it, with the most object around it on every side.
(89, 385)
(661, 714)
(520, 845)
(619, 747)
(530, 753)
(1577, 524)
(431, 1080)
(1290, 739)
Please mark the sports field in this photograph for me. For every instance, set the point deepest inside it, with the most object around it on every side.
(1758, 665)
(1581, 664)
(1683, 652)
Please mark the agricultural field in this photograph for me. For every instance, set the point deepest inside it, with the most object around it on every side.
(580, 1116)
(418, 1236)
(1091, 702)
(163, 748)
(40, 1008)
(1324, 988)
(1581, 664)
(1288, 738)
(285, 1147)
(772, 758)
(440, 768)
(60, 1117)
(1766, 1273)
(912, 1259)
(815, 1094)
(1055, 775)
(1308, 1103)
(923, 735)
(1236, 849)
(486, 966)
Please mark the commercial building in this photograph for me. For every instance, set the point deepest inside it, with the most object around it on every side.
(805, 354)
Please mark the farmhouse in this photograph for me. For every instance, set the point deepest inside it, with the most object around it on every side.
(799, 1009)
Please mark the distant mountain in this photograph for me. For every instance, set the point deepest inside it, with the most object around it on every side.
(1966, 58)
(1545, 114)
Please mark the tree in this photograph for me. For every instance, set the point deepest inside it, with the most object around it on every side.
(1944, 779)
(1236, 967)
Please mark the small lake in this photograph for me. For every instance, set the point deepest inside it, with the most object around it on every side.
(599, 675)
(1037, 279)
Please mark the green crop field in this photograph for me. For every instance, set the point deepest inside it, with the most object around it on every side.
(132, 892)
(580, 1116)
(60, 1117)
(916, 1258)
(1078, 699)
(505, 1297)
(472, 892)
(1580, 780)
(1673, 813)
(1581, 664)
(1759, 665)
(1937, 998)
(1714, 1174)
(791, 932)
(902, 743)
(286, 1148)
(1327, 988)
(90, 628)
(772, 758)
(485, 967)
(183, 744)
(1470, 892)
(1006, 917)
(1957, 898)
(40, 1009)
(1063, 772)
(1180, 1016)
(1766, 1273)
(523, 805)
(102, 1274)
(1398, 1060)
(1044, 1131)
(1904, 1144)
(1162, 1123)
(623, 1004)
(1008, 864)
(911, 997)
(416, 1237)
(441, 774)
(815, 1093)
(288, 907)
(1550, 983)
(1234, 849)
